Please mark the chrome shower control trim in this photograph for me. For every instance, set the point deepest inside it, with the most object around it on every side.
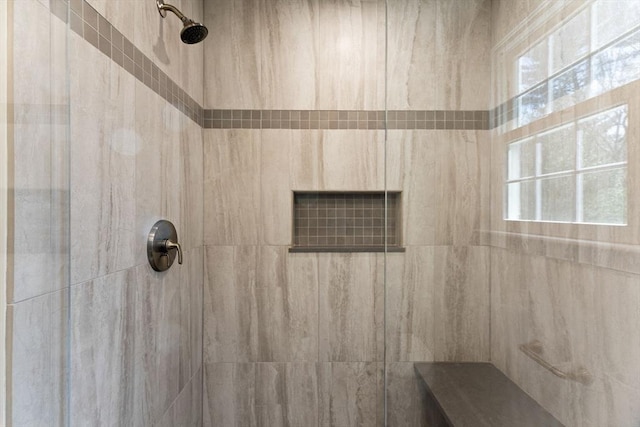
(163, 246)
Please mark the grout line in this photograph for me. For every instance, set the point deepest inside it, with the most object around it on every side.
(85, 21)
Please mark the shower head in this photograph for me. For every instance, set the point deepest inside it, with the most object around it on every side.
(192, 32)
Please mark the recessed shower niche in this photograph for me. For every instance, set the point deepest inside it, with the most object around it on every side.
(346, 221)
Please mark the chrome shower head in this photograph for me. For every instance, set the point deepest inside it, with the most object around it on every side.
(192, 32)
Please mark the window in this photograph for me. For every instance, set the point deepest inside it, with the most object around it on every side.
(596, 50)
(572, 173)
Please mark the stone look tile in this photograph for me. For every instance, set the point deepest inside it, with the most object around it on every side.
(102, 349)
(350, 57)
(192, 184)
(232, 187)
(37, 334)
(157, 343)
(289, 36)
(412, 41)
(335, 161)
(349, 394)
(276, 195)
(566, 307)
(38, 242)
(286, 394)
(103, 199)
(438, 304)
(230, 394)
(442, 176)
(238, 24)
(459, 34)
(187, 408)
(161, 169)
(286, 306)
(260, 305)
(351, 307)
(406, 396)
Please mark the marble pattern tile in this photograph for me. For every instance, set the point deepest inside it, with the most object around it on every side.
(187, 409)
(438, 304)
(161, 168)
(286, 304)
(260, 305)
(102, 349)
(276, 195)
(232, 187)
(406, 396)
(288, 33)
(119, 14)
(157, 343)
(568, 307)
(349, 394)
(103, 199)
(235, 27)
(441, 186)
(351, 307)
(350, 55)
(38, 236)
(191, 180)
(221, 291)
(447, 41)
(229, 394)
(412, 41)
(286, 394)
(36, 358)
(335, 161)
(191, 306)
(463, 73)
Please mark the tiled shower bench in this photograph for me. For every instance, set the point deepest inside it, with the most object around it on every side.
(477, 395)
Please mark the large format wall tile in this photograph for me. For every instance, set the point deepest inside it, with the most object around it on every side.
(36, 242)
(438, 304)
(191, 180)
(351, 307)
(289, 38)
(337, 161)
(37, 334)
(186, 410)
(286, 394)
(350, 394)
(276, 195)
(236, 53)
(232, 187)
(295, 55)
(229, 394)
(442, 174)
(567, 307)
(446, 41)
(260, 305)
(350, 55)
(102, 349)
(406, 396)
(157, 338)
(103, 199)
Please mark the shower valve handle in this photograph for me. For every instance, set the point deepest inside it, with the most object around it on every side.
(163, 246)
(169, 245)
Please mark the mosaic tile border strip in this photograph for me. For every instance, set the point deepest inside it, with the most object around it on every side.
(85, 21)
(345, 119)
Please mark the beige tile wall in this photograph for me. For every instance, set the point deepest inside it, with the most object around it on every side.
(295, 338)
(135, 335)
(571, 287)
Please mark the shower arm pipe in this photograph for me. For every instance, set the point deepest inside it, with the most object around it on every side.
(534, 351)
(163, 7)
